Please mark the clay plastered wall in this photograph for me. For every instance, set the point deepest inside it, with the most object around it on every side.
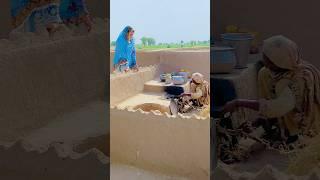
(193, 60)
(143, 58)
(157, 142)
(294, 19)
(34, 165)
(126, 85)
(44, 81)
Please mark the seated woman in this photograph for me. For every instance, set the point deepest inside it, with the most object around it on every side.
(199, 95)
(289, 92)
(199, 90)
(125, 52)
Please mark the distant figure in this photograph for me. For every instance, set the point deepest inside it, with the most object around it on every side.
(125, 52)
(75, 12)
(289, 90)
(35, 16)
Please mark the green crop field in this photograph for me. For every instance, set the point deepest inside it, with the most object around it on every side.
(163, 46)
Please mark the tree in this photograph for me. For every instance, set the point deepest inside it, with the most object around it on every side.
(144, 41)
(181, 43)
(150, 41)
(193, 43)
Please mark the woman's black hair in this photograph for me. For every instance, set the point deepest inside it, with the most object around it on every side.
(129, 29)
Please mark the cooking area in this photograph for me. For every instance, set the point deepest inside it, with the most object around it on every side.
(150, 119)
(248, 138)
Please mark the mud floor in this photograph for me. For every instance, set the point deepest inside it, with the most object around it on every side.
(266, 165)
(121, 172)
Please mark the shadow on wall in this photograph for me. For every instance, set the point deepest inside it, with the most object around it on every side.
(295, 21)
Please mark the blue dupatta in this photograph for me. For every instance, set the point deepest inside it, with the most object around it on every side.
(72, 10)
(125, 50)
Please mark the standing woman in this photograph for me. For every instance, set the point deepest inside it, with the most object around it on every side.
(75, 12)
(35, 16)
(125, 52)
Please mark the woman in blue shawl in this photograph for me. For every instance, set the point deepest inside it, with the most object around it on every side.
(35, 16)
(125, 52)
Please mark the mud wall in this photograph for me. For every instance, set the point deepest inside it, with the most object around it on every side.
(123, 86)
(195, 61)
(46, 80)
(18, 162)
(143, 58)
(160, 143)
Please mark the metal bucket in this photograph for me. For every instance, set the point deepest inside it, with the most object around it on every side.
(185, 75)
(222, 59)
(241, 42)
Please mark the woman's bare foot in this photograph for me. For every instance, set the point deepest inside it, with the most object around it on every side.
(52, 28)
(135, 69)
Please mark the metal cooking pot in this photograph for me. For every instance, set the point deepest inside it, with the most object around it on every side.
(163, 77)
(178, 80)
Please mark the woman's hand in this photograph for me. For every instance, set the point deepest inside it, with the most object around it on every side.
(231, 106)
(122, 62)
(185, 94)
(52, 28)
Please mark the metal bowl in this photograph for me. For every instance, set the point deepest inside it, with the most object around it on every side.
(178, 80)
(163, 77)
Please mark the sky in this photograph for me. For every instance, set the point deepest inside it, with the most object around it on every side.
(164, 20)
